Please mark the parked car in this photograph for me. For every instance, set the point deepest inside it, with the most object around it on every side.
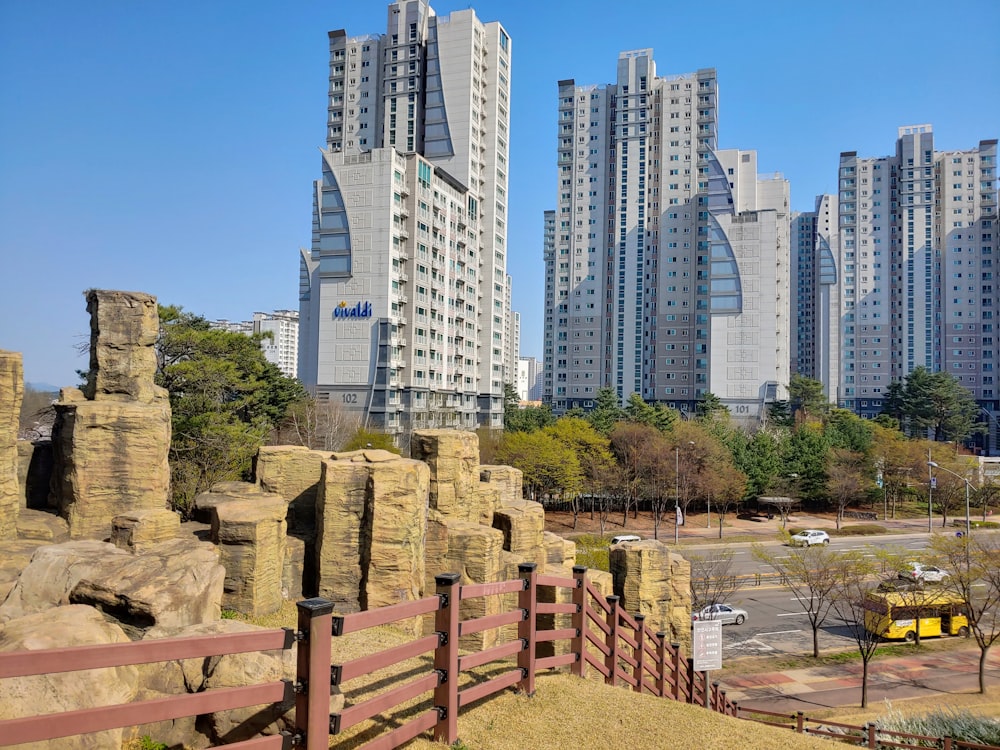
(625, 538)
(725, 613)
(809, 537)
(918, 572)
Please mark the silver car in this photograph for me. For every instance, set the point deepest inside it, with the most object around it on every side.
(727, 614)
(809, 537)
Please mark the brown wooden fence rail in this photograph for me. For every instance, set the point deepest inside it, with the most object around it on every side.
(867, 735)
(589, 633)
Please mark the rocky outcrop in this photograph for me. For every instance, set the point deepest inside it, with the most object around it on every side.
(522, 523)
(371, 517)
(66, 691)
(11, 393)
(124, 327)
(176, 583)
(110, 459)
(110, 440)
(38, 525)
(144, 529)
(34, 472)
(292, 472)
(251, 534)
(643, 574)
(453, 459)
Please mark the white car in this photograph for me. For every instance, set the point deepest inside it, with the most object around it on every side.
(918, 572)
(625, 538)
(724, 613)
(809, 537)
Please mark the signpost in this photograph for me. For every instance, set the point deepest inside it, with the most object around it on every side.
(707, 645)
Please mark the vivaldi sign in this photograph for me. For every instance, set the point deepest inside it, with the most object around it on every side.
(360, 310)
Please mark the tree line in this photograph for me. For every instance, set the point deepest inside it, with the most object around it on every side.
(616, 459)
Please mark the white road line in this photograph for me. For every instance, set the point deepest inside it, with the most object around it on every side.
(791, 614)
(781, 632)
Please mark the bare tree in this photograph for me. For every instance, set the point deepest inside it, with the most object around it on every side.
(713, 579)
(852, 574)
(975, 578)
(846, 481)
(810, 574)
(320, 425)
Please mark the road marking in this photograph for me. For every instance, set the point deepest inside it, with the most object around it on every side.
(790, 614)
(781, 632)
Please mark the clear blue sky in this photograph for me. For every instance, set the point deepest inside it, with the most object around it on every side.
(169, 147)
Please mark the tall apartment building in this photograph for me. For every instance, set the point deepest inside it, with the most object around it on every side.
(815, 320)
(282, 346)
(404, 298)
(528, 383)
(667, 260)
(905, 271)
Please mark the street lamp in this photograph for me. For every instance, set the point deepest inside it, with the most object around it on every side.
(968, 486)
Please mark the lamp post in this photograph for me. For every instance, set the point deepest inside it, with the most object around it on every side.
(677, 493)
(968, 522)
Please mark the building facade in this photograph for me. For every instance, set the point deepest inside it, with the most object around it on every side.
(281, 346)
(667, 259)
(903, 259)
(404, 294)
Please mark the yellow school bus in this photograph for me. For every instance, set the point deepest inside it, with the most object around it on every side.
(898, 614)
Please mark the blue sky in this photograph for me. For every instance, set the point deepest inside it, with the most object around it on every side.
(169, 147)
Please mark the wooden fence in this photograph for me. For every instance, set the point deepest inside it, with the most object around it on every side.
(589, 633)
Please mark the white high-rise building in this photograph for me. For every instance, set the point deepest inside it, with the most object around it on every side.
(667, 260)
(913, 255)
(282, 346)
(404, 299)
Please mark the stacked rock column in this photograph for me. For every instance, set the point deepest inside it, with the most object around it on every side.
(11, 393)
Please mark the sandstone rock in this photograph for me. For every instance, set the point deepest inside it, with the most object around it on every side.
(34, 472)
(294, 473)
(205, 503)
(124, 327)
(110, 458)
(174, 584)
(559, 553)
(642, 578)
(474, 553)
(11, 393)
(38, 525)
(395, 562)
(251, 537)
(522, 523)
(453, 459)
(292, 585)
(506, 479)
(66, 691)
(340, 516)
(14, 557)
(143, 529)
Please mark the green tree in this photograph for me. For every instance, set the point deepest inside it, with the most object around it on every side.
(657, 415)
(845, 429)
(758, 456)
(527, 419)
(592, 450)
(225, 399)
(938, 403)
(780, 414)
(805, 456)
(607, 411)
(807, 394)
(371, 440)
(551, 468)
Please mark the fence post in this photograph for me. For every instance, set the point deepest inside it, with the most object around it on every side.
(661, 666)
(611, 660)
(446, 658)
(947, 743)
(640, 650)
(677, 669)
(692, 697)
(312, 672)
(799, 721)
(578, 644)
(872, 742)
(714, 703)
(527, 600)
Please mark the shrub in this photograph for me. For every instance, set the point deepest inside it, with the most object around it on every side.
(959, 724)
(592, 551)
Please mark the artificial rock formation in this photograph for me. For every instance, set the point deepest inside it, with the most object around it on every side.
(251, 534)
(11, 393)
(176, 583)
(647, 577)
(111, 439)
(144, 529)
(66, 691)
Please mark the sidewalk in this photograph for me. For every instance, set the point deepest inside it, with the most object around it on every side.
(933, 676)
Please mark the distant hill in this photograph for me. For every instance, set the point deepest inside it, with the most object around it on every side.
(42, 387)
